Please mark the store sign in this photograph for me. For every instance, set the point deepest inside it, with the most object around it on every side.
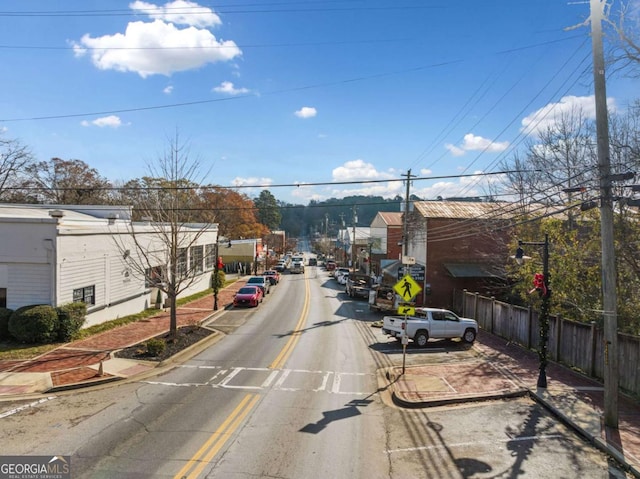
(416, 271)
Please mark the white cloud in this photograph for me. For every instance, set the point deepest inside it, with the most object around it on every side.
(476, 185)
(251, 181)
(357, 170)
(548, 115)
(425, 171)
(228, 88)
(306, 112)
(455, 151)
(156, 48)
(180, 12)
(106, 121)
(473, 142)
(168, 90)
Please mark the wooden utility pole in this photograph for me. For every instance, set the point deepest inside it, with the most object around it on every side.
(405, 216)
(609, 293)
(353, 244)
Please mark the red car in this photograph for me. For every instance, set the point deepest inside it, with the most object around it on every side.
(273, 275)
(248, 296)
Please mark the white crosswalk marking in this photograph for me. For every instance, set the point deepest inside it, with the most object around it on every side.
(291, 380)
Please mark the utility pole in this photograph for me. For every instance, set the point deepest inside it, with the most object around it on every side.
(609, 293)
(344, 244)
(353, 244)
(405, 222)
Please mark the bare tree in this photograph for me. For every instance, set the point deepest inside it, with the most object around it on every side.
(68, 182)
(625, 50)
(15, 158)
(169, 252)
(559, 165)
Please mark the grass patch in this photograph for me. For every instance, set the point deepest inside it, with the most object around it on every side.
(11, 350)
(15, 350)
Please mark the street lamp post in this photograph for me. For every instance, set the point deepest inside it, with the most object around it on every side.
(544, 310)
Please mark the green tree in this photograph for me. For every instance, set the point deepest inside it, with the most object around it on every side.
(574, 266)
(268, 212)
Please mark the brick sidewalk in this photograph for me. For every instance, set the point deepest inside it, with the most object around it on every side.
(69, 364)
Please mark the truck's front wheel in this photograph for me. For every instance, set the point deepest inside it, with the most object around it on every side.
(421, 338)
(469, 336)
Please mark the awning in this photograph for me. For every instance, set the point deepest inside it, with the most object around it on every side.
(471, 270)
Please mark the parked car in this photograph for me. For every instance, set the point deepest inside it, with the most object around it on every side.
(330, 265)
(248, 296)
(280, 267)
(430, 323)
(273, 275)
(261, 281)
(343, 278)
(338, 271)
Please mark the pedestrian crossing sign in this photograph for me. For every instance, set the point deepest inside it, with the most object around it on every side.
(407, 288)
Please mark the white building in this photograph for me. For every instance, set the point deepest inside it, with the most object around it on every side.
(57, 254)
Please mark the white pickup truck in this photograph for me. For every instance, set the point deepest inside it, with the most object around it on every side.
(431, 323)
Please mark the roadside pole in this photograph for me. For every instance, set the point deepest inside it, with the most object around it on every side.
(407, 289)
(405, 341)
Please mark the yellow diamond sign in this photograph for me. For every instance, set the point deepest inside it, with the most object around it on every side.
(407, 288)
(404, 310)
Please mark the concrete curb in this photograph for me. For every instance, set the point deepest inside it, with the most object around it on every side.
(456, 400)
(83, 384)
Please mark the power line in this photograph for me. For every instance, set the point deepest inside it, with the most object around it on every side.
(264, 186)
(237, 97)
(218, 10)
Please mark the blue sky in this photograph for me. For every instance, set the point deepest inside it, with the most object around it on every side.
(296, 92)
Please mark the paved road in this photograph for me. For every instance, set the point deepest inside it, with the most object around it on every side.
(293, 391)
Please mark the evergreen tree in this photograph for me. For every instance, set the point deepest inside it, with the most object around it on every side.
(268, 212)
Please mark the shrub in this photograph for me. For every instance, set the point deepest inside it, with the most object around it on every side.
(71, 317)
(155, 346)
(5, 314)
(34, 324)
(222, 278)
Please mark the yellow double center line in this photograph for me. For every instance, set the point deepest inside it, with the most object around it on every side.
(282, 358)
(209, 449)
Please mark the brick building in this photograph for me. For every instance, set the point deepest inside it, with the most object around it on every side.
(463, 245)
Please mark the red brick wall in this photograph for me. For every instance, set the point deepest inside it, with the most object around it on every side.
(394, 236)
(464, 243)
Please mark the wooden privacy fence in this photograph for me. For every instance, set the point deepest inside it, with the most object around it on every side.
(577, 345)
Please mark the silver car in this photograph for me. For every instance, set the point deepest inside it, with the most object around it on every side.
(262, 282)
